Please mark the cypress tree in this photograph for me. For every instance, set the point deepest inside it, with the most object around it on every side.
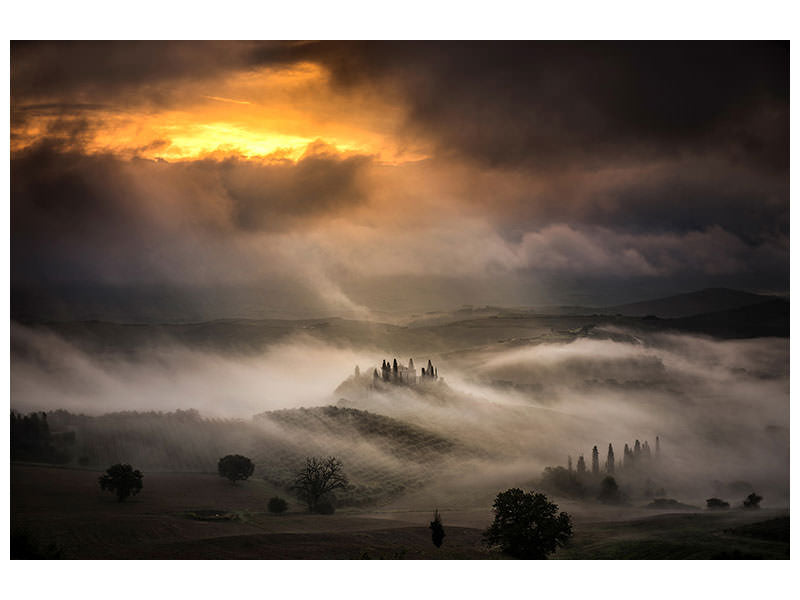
(610, 460)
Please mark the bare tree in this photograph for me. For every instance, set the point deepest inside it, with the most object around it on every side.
(319, 477)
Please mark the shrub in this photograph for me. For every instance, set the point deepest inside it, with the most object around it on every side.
(609, 491)
(717, 504)
(235, 467)
(277, 505)
(752, 501)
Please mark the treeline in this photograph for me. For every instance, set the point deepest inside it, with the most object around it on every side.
(32, 440)
(638, 468)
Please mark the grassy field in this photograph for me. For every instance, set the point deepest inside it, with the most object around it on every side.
(62, 513)
(734, 534)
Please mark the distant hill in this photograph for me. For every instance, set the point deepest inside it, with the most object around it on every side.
(694, 303)
(765, 319)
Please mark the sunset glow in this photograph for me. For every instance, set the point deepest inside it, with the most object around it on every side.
(266, 113)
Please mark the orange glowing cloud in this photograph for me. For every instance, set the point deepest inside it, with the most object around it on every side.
(266, 113)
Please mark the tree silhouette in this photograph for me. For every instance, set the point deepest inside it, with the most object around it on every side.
(437, 531)
(526, 525)
(717, 504)
(610, 460)
(609, 491)
(581, 468)
(277, 505)
(752, 501)
(595, 461)
(122, 480)
(235, 467)
(319, 477)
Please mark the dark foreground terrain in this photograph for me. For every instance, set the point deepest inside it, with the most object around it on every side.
(62, 513)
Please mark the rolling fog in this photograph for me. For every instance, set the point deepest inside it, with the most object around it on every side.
(720, 408)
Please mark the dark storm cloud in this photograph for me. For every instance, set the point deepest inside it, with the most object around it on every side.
(539, 104)
(675, 196)
(705, 123)
(98, 69)
(66, 206)
(576, 167)
(547, 103)
(265, 196)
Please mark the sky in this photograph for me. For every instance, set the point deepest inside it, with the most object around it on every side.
(196, 180)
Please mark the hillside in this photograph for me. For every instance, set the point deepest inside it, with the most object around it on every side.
(395, 437)
(383, 457)
(770, 318)
(694, 303)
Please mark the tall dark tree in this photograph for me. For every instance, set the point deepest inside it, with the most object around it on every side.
(626, 457)
(319, 478)
(610, 460)
(581, 467)
(527, 525)
(121, 479)
(595, 461)
(569, 464)
(437, 531)
(235, 467)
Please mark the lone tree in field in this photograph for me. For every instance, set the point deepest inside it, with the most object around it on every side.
(437, 531)
(752, 501)
(235, 467)
(319, 478)
(527, 525)
(123, 480)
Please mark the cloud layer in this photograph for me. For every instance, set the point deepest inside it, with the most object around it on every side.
(327, 167)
